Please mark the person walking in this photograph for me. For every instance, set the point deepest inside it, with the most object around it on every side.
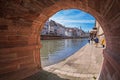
(96, 41)
(89, 40)
(103, 42)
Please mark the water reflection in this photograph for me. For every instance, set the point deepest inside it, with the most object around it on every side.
(54, 51)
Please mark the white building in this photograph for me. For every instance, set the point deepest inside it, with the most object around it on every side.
(53, 27)
(56, 29)
(45, 29)
(68, 32)
(100, 32)
(60, 30)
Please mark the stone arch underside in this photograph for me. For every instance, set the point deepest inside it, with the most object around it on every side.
(22, 20)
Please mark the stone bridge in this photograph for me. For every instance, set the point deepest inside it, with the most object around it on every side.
(22, 20)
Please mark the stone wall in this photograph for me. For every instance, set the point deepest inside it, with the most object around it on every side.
(22, 20)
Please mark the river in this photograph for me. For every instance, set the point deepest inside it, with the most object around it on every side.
(54, 51)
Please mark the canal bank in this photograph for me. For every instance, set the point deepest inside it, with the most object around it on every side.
(55, 37)
(85, 64)
(54, 51)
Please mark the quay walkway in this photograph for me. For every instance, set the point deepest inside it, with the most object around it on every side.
(85, 64)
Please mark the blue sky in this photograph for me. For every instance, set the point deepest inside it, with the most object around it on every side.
(74, 18)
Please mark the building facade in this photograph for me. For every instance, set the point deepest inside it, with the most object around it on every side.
(56, 29)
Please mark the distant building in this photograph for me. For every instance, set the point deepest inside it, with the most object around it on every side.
(60, 30)
(78, 32)
(45, 29)
(97, 31)
(100, 32)
(69, 32)
(53, 28)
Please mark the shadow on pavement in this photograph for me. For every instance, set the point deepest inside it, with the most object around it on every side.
(44, 75)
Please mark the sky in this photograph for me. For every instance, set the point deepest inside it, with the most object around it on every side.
(74, 18)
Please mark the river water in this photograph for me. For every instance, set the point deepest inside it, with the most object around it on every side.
(54, 51)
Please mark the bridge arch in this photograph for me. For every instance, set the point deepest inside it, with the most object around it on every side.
(20, 25)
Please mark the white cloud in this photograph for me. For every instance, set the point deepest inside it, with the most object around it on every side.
(76, 21)
(74, 18)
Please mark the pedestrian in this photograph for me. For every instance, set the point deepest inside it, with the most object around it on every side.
(103, 42)
(96, 40)
(89, 40)
(91, 37)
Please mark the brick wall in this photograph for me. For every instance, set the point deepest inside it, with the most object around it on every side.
(17, 55)
(22, 20)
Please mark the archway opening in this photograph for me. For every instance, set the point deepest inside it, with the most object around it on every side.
(82, 24)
